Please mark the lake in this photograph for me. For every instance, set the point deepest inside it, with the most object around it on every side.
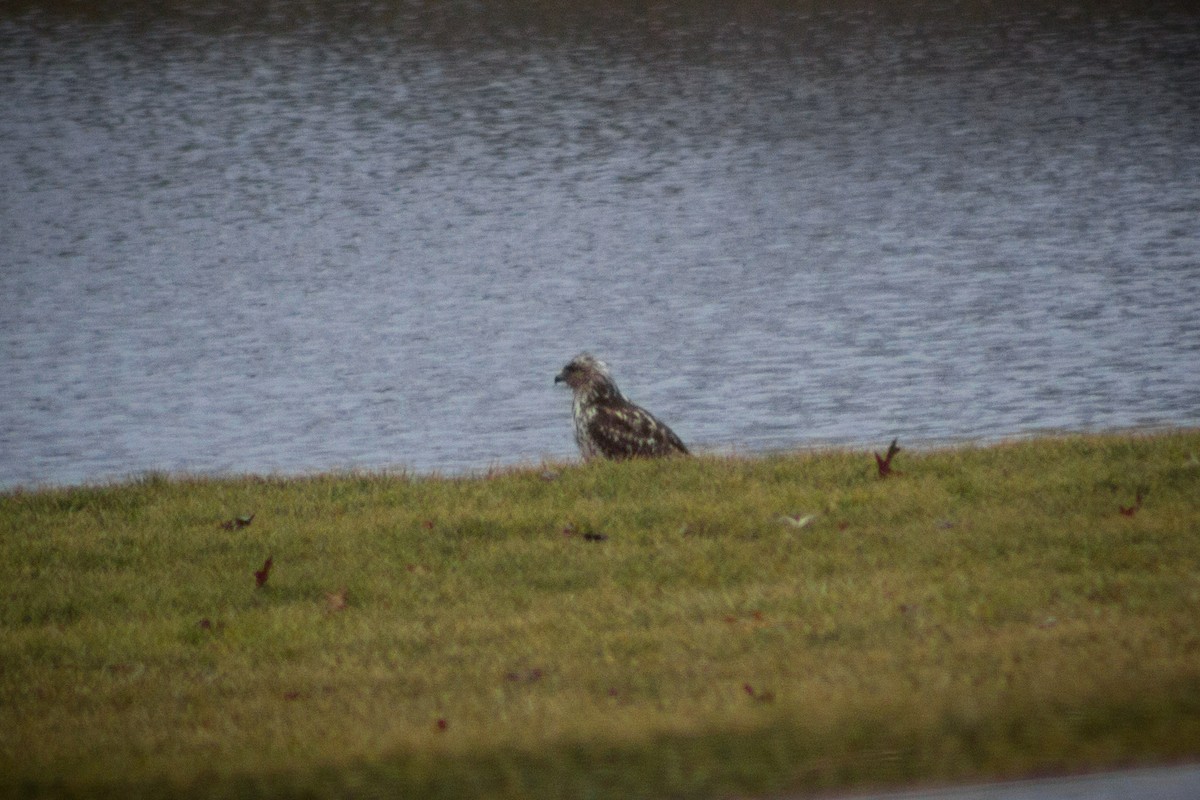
(331, 235)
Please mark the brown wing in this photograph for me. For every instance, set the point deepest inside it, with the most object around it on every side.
(623, 430)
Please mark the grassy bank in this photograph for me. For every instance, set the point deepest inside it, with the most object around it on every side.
(654, 629)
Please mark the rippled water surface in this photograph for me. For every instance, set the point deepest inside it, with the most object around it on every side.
(368, 235)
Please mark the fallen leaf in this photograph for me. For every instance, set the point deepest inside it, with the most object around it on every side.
(527, 676)
(798, 520)
(1129, 511)
(584, 530)
(293, 695)
(260, 576)
(442, 724)
(237, 522)
(761, 697)
(884, 463)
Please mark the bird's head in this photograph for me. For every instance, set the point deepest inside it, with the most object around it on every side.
(585, 371)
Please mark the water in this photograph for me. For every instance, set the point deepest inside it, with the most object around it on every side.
(368, 235)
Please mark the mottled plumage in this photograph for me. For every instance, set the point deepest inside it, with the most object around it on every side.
(607, 425)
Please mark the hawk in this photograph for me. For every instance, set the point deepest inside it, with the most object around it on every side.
(607, 425)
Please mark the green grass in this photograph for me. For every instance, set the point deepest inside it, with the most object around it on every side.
(987, 612)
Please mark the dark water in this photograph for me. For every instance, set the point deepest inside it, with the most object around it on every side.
(329, 235)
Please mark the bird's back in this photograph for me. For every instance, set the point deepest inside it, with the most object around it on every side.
(613, 427)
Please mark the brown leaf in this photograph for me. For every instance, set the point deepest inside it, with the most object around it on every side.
(884, 463)
(261, 575)
(761, 697)
(1129, 511)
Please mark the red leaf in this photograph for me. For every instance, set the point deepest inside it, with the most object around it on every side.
(260, 576)
(442, 724)
(884, 463)
(762, 697)
(1129, 511)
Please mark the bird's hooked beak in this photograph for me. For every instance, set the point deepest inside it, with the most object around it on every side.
(560, 378)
